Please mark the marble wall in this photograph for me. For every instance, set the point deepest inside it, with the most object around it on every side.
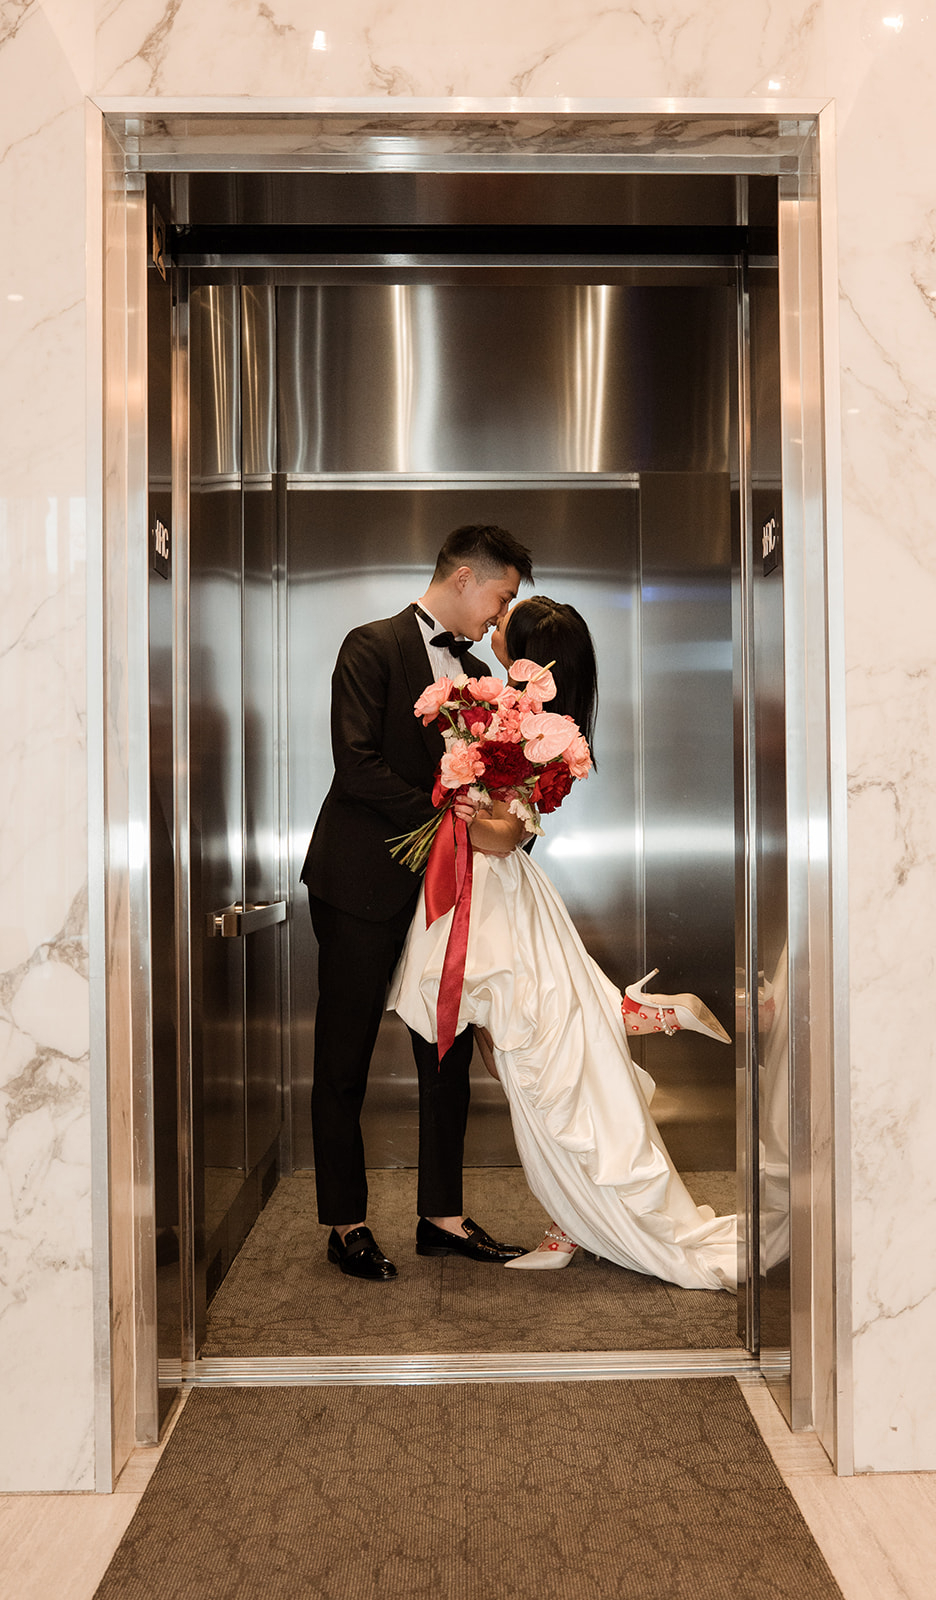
(45, 1169)
(878, 65)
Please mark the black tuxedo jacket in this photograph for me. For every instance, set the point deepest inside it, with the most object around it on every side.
(385, 763)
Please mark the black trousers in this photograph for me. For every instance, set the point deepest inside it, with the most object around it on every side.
(356, 960)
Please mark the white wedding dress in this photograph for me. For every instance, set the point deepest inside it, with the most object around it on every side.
(590, 1149)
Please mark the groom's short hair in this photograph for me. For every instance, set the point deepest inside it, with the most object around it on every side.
(486, 549)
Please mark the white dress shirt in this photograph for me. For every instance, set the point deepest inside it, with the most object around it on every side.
(441, 661)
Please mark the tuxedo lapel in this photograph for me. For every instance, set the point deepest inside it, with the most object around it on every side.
(416, 670)
(412, 651)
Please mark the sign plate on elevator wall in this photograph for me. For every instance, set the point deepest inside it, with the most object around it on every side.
(160, 548)
(771, 542)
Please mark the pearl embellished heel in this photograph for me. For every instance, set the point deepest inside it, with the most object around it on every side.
(549, 1254)
(668, 1013)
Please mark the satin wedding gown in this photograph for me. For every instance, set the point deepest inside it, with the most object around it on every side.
(591, 1152)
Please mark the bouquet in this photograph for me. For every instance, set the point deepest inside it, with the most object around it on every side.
(499, 745)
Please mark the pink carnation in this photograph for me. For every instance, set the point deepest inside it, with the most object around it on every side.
(505, 725)
(485, 688)
(578, 756)
(460, 764)
(432, 699)
(546, 735)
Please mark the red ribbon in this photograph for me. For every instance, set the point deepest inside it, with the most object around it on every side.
(448, 884)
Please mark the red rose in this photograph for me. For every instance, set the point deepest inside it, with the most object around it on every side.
(552, 786)
(477, 718)
(505, 765)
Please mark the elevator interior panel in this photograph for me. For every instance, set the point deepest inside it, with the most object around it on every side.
(162, 841)
(608, 413)
(235, 752)
(563, 379)
(773, 1037)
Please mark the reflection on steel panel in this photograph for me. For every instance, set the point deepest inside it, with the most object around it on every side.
(771, 840)
(531, 380)
(236, 751)
(262, 756)
(688, 799)
(688, 794)
(162, 907)
(686, 667)
(217, 712)
(258, 369)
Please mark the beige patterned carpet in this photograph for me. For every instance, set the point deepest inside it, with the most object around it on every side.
(282, 1297)
(659, 1490)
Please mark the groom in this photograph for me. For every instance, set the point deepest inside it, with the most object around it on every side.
(362, 900)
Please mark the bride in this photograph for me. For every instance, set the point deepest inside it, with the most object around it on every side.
(551, 1027)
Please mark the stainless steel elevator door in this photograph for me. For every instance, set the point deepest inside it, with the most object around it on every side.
(234, 779)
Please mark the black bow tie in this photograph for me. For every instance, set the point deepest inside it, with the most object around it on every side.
(445, 640)
(448, 641)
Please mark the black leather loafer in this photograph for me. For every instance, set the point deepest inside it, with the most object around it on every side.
(359, 1256)
(479, 1246)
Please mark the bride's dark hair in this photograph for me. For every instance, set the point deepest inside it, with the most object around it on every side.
(544, 630)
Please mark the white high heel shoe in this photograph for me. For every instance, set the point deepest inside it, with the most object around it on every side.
(548, 1256)
(674, 1011)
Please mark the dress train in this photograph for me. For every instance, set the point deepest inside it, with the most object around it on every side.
(579, 1104)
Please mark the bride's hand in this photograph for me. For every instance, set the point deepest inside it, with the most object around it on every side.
(468, 810)
(497, 834)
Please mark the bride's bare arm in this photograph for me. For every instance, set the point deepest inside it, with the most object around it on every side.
(498, 832)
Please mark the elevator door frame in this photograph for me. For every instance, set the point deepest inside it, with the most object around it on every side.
(793, 141)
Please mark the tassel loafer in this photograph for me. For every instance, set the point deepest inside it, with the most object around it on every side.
(479, 1246)
(359, 1255)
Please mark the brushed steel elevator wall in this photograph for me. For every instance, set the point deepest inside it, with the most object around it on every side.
(235, 763)
(162, 833)
(773, 1036)
(427, 378)
(595, 424)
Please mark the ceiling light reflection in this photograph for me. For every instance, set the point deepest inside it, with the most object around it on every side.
(689, 839)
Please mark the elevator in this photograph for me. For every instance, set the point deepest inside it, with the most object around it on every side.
(343, 368)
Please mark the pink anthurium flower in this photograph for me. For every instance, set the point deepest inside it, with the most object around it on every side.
(547, 735)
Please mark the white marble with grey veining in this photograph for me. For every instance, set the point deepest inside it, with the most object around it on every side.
(888, 333)
(881, 77)
(45, 1172)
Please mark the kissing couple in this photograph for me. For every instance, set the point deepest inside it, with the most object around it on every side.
(550, 1025)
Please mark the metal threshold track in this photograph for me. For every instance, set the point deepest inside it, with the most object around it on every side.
(510, 1367)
